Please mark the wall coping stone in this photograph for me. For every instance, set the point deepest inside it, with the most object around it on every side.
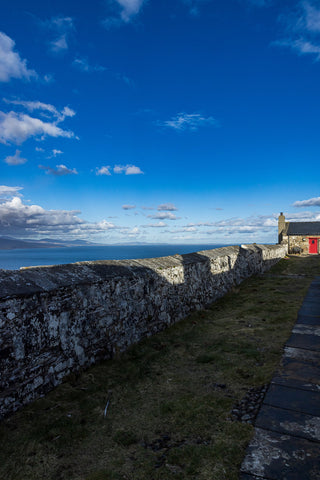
(32, 280)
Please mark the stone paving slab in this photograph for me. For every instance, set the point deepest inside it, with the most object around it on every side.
(293, 399)
(307, 330)
(289, 423)
(298, 374)
(309, 319)
(312, 357)
(309, 309)
(305, 336)
(311, 302)
(312, 293)
(313, 296)
(305, 341)
(281, 457)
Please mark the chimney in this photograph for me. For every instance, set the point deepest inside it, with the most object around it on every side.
(281, 226)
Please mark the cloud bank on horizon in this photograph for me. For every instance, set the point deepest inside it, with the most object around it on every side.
(208, 118)
(33, 221)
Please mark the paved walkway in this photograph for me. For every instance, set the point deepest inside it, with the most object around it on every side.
(286, 444)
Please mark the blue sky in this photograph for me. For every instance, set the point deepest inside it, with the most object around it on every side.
(178, 121)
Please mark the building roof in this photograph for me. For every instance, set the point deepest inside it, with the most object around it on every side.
(304, 228)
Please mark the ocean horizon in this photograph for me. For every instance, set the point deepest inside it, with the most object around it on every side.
(32, 257)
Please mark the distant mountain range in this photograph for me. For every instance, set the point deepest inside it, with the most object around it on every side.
(9, 243)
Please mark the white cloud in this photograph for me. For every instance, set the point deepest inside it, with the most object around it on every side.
(190, 229)
(155, 225)
(135, 232)
(193, 5)
(167, 207)
(124, 78)
(270, 222)
(301, 46)
(128, 207)
(39, 149)
(17, 218)
(11, 64)
(15, 159)
(263, 225)
(62, 28)
(103, 170)
(56, 152)
(201, 224)
(31, 106)
(123, 11)
(127, 169)
(303, 217)
(6, 191)
(59, 44)
(183, 238)
(18, 127)
(118, 169)
(311, 202)
(133, 170)
(189, 121)
(16, 215)
(105, 225)
(303, 30)
(66, 112)
(48, 78)
(59, 171)
(310, 18)
(164, 216)
(130, 8)
(82, 63)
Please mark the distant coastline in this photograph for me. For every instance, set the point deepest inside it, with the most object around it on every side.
(10, 243)
(15, 258)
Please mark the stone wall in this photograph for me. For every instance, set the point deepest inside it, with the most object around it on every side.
(59, 319)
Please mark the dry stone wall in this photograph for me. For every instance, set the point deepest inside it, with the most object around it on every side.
(60, 319)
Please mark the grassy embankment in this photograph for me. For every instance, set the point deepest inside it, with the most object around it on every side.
(169, 397)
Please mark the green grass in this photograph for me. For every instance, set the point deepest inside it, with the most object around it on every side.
(298, 265)
(169, 397)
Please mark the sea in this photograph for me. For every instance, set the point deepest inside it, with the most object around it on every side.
(27, 257)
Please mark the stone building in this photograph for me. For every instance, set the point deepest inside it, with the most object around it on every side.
(301, 237)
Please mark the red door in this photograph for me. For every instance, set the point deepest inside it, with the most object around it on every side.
(313, 245)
